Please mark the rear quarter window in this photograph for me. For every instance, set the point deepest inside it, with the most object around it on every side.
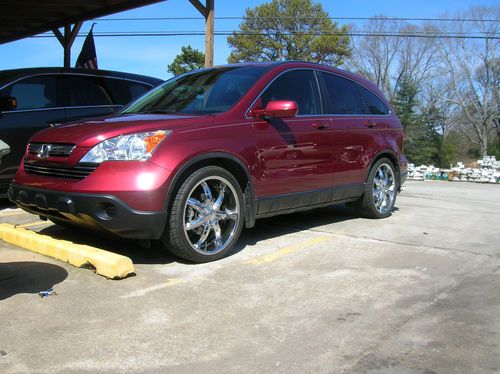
(373, 105)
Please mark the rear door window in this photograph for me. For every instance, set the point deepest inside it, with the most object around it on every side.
(373, 105)
(124, 91)
(34, 92)
(343, 96)
(297, 85)
(86, 91)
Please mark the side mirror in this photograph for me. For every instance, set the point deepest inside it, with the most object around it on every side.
(7, 103)
(277, 109)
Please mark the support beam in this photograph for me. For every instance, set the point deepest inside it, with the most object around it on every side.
(207, 11)
(209, 34)
(67, 40)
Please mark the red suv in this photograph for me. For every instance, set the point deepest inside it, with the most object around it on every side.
(206, 153)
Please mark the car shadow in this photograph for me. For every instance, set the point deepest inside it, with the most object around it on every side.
(28, 277)
(268, 228)
(264, 229)
(6, 203)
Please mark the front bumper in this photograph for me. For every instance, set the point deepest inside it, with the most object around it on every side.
(97, 211)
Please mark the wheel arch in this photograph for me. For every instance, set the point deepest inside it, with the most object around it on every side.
(227, 161)
(391, 155)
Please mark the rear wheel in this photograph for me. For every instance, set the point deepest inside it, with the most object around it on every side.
(207, 216)
(380, 190)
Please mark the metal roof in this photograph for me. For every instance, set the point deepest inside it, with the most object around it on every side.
(22, 18)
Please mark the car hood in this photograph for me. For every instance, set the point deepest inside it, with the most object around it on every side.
(89, 133)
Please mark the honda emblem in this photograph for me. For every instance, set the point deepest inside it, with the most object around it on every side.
(44, 151)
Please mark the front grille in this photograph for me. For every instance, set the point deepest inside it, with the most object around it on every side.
(50, 150)
(78, 171)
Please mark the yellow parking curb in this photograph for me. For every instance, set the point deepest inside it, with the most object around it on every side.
(108, 264)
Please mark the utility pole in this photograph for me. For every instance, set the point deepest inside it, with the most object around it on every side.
(67, 40)
(207, 11)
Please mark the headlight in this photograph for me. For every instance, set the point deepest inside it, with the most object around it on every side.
(139, 146)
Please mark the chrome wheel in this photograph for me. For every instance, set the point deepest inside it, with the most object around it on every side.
(384, 188)
(211, 215)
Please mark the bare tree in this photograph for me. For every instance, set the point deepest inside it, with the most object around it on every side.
(375, 56)
(417, 57)
(471, 65)
(387, 57)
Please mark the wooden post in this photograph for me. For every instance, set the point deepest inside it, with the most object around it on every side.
(207, 11)
(67, 40)
(209, 34)
(67, 48)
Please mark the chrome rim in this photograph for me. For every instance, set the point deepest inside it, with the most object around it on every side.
(384, 188)
(211, 215)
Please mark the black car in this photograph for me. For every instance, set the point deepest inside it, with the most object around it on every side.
(36, 98)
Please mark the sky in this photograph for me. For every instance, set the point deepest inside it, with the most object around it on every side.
(151, 55)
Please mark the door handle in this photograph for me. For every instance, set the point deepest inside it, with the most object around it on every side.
(320, 125)
(370, 124)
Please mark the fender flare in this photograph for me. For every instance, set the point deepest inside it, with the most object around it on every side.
(248, 191)
(396, 164)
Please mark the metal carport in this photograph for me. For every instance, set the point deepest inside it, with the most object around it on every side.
(23, 18)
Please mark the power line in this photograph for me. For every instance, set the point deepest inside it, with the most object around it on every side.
(308, 18)
(227, 33)
(230, 32)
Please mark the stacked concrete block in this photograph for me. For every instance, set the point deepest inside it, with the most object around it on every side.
(488, 172)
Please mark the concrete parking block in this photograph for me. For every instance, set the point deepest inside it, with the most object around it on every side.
(107, 264)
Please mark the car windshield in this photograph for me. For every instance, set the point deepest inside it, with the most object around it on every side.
(201, 92)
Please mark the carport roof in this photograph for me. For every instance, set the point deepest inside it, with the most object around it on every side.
(23, 18)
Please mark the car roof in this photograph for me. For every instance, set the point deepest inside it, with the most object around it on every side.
(7, 76)
(291, 64)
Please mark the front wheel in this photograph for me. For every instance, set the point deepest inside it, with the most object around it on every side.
(207, 216)
(380, 190)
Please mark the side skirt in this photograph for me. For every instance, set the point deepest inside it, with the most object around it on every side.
(284, 204)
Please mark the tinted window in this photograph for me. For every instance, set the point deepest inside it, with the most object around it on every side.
(124, 91)
(86, 91)
(200, 92)
(343, 95)
(33, 93)
(373, 105)
(297, 85)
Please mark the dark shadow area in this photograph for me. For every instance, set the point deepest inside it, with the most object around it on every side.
(130, 248)
(266, 228)
(28, 277)
(273, 227)
(6, 203)
(283, 129)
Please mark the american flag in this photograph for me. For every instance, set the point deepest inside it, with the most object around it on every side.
(88, 57)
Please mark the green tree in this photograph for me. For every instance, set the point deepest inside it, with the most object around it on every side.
(421, 139)
(189, 59)
(449, 150)
(289, 30)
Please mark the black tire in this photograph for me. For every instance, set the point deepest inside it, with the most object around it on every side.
(368, 205)
(223, 233)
